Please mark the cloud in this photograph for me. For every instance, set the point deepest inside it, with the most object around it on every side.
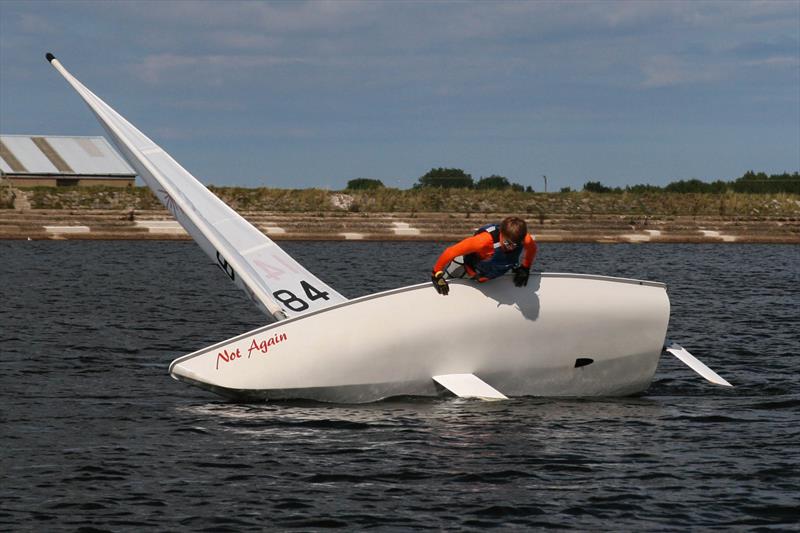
(159, 68)
(207, 104)
(36, 24)
(380, 44)
(667, 70)
(236, 132)
(776, 61)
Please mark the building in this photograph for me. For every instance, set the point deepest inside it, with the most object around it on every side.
(61, 161)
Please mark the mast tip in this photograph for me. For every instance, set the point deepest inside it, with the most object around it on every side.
(50, 57)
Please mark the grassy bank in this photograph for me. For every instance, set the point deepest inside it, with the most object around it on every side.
(531, 205)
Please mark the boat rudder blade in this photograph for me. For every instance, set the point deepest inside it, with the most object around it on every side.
(694, 363)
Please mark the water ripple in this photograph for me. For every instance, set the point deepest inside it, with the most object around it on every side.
(97, 437)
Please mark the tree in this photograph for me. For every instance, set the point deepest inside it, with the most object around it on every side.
(718, 187)
(753, 182)
(445, 178)
(493, 182)
(595, 186)
(686, 186)
(642, 188)
(364, 183)
(696, 186)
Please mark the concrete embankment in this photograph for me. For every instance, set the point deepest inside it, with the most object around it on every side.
(158, 224)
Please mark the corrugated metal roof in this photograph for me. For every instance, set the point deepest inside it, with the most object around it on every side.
(61, 155)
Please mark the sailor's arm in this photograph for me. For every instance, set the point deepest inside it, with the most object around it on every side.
(528, 251)
(469, 245)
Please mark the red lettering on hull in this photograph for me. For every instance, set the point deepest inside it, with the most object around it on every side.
(257, 345)
(264, 344)
(228, 357)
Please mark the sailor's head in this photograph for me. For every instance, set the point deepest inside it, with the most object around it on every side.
(512, 232)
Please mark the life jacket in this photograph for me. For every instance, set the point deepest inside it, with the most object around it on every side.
(498, 263)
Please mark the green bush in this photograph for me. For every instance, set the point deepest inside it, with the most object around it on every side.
(697, 186)
(752, 182)
(364, 184)
(493, 182)
(445, 178)
(596, 186)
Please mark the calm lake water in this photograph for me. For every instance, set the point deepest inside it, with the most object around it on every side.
(96, 436)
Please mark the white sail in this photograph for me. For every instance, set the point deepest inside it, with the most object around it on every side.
(278, 284)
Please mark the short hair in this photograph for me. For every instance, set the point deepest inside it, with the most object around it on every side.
(514, 228)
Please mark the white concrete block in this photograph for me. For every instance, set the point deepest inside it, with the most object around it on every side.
(403, 228)
(67, 229)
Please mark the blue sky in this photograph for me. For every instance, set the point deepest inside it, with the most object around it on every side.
(312, 94)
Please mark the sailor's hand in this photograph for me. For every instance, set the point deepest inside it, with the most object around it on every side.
(521, 275)
(440, 283)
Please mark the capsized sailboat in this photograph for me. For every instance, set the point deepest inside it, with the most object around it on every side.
(563, 335)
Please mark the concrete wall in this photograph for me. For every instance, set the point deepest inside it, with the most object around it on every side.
(52, 181)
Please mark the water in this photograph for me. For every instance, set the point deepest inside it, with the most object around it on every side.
(97, 436)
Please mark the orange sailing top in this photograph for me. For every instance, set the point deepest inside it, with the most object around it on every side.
(483, 245)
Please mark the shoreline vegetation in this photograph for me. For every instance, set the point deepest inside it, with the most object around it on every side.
(421, 213)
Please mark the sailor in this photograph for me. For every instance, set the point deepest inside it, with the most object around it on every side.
(492, 251)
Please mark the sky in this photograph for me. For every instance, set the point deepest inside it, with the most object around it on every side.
(313, 94)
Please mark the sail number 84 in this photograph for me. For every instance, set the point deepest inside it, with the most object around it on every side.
(290, 300)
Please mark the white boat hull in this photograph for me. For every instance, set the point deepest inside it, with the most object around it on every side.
(562, 335)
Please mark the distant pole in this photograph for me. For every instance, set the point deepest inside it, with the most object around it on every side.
(545, 182)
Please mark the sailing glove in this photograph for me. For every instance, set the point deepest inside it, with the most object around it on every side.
(521, 275)
(440, 283)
